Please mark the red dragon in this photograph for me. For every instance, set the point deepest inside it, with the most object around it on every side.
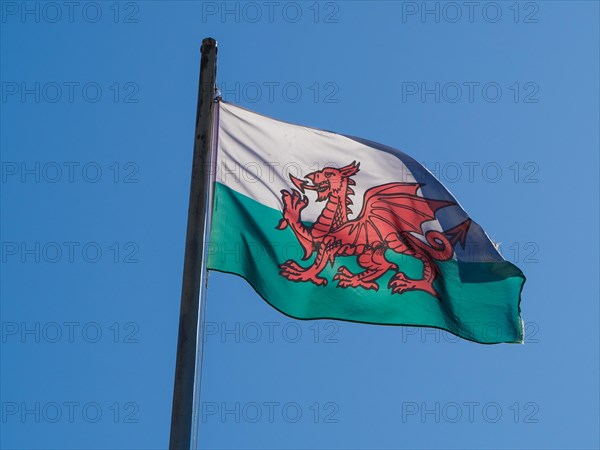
(391, 218)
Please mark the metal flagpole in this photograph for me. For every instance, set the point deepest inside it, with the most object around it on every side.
(193, 266)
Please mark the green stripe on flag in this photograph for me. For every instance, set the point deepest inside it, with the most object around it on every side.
(480, 301)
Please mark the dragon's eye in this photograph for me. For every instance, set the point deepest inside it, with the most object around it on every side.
(328, 174)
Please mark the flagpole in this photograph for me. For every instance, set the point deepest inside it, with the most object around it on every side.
(193, 266)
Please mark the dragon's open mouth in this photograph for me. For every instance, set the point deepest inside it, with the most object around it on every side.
(323, 186)
(303, 185)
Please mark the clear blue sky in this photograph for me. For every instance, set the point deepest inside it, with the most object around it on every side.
(95, 178)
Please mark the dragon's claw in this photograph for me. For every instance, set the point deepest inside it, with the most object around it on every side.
(292, 265)
(294, 272)
(400, 284)
(345, 279)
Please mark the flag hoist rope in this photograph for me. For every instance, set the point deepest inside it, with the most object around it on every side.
(197, 408)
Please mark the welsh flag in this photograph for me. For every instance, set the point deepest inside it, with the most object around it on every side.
(327, 226)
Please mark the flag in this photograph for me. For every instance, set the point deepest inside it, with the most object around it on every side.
(328, 226)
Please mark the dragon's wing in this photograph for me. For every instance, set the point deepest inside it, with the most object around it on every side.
(389, 208)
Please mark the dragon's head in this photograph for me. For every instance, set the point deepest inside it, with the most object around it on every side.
(328, 181)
